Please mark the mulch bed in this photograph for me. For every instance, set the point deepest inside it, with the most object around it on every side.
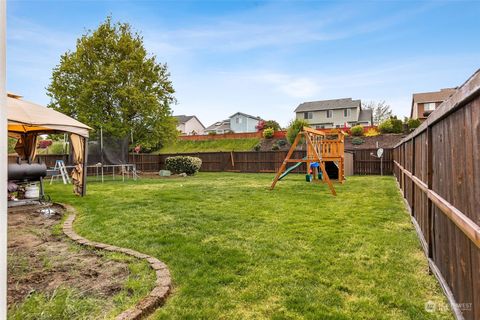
(41, 261)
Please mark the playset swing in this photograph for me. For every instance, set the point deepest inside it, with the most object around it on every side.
(322, 147)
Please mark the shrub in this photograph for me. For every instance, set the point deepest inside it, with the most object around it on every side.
(268, 133)
(272, 124)
(357, 140)
(257, 147)
(212, 133)
(262, 124)
(183, 164)
(294, 128)
(386, 126)
(392, 125)
(397, 125)
(413, 124)
(281, 143)
(44, 144)
(372, 132)
(357, 130)
(275, 146)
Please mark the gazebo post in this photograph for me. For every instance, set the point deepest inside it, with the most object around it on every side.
(85, 159)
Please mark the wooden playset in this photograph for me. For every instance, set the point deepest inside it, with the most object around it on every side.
(322, 147)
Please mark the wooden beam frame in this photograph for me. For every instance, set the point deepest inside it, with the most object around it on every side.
(312, 155)
(464, 223)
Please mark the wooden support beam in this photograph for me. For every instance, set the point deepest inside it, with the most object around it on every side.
(322, 166)
(310, 130)
(284, 163)
(464, 223)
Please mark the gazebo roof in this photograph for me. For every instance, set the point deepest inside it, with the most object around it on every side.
(24, 116)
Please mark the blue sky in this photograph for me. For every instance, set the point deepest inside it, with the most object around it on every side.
(263, 57)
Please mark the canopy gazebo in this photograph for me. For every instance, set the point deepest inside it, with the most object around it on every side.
(27, 120)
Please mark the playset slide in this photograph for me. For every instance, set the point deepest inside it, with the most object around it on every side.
(296, 165)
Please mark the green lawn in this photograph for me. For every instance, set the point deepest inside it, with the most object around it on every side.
(182, 146)
(239, 251)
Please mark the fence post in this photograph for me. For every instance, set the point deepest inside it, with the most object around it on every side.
(412, 211)
(430, 216)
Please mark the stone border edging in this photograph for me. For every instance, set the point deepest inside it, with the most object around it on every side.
(163, 284)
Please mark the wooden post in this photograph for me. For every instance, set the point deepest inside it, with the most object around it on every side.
(430, 215)
(284, 163)
(412, 211)
(324, 172)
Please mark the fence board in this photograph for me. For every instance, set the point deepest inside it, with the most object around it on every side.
(247, 161)
(444, 154)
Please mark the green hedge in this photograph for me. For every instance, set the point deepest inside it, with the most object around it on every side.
(183, 164)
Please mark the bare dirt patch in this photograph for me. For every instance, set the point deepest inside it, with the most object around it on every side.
(41, 259)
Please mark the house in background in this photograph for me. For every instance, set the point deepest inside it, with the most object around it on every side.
(242, 122)
(336, 113)
(237, 123)
(189, 125)
(219, 127)
(426, 102)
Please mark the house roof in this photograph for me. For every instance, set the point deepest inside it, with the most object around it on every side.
(365, 115)
(436, 96)
(184, 119)
(219, 125)
(245, 115)
(328, 104)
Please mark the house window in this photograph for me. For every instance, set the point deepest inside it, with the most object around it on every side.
(320, 126)
(429, 106)
(238, 120)
(346, 113)
(329, 113)
(307, 115)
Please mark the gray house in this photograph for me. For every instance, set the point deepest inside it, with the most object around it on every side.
(242, 122)
(336, 113)
(237, 123)
(219, 127)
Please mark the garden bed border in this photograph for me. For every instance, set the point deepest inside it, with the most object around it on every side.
(163, 283)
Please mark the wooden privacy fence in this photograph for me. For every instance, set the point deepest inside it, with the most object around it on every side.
(248, 161)
(261, 161)
(438, 171)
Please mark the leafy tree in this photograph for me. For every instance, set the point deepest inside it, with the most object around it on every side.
(110, 81)
(412, 124)
(381, 110)
(263, 124)
(294, 127)
(391, 125)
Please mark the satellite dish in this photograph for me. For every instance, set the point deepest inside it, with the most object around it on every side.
(380, 152)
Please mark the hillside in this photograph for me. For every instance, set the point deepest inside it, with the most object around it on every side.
(211, 145)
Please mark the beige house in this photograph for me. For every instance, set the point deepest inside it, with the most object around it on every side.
(336, 113)
(426, 102)
(189, 125)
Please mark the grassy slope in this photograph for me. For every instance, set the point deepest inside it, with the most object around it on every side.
(211, 145)
(239, 251)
